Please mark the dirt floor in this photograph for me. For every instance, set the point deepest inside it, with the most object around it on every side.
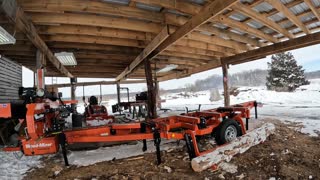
(287, 154)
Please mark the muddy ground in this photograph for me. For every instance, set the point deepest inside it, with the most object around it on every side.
(287, 154)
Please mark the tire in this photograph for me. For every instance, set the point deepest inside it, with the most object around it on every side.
(227, 131)
(77, 120)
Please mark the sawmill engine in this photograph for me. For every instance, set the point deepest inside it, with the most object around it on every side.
(38, 115)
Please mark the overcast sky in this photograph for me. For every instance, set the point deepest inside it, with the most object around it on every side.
(308, 57)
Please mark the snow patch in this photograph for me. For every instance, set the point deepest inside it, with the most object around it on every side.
(85, 158)
(15, 165)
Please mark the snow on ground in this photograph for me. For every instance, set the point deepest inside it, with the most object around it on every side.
(85, 158)
(14, 166)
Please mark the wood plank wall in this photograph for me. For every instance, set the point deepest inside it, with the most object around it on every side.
(10, 80)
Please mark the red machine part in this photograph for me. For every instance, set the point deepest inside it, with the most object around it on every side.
(189, 126)
(5, 110)
(48, 145)
(188, 123)
(97, 112)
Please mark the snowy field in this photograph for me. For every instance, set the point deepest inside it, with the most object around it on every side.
(301, 107)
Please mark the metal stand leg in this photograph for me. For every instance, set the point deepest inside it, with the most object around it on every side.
(143, 129)
(157, 141)
(190, 146)
(256, 109)
(247, 124)
(62, 142)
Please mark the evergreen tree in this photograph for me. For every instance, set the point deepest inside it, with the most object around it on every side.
(284, 74)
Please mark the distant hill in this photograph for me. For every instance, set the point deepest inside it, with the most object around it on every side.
(247, 78)
(313, 75)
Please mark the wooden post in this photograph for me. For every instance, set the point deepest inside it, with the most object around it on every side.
(40, 60)
(225, 85)
(40, 75)
(152, 111)
(73, 82)
(157, 93)
(118, 96)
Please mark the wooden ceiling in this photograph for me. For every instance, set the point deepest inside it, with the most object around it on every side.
(110, 38)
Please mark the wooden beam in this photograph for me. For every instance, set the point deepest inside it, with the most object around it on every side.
(150, 47)
(308, 40)
(95, 40)
(152, 109)
(96, 83)
(314, 10)
(87, 6)
(210, 65)
(261, 18)
(40, 60)
(238, 47)
(18, 18)
(95, 31)
(286, 12)
(96, 21)
(208, 12)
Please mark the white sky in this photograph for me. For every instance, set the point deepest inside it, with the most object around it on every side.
(308, 57)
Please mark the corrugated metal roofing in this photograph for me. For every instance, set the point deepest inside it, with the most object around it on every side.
(255, 24)
(237, 31)
(238, 17)
(296, 30)
(268, 30)
(300, 8)
(148, 7)
(307, 18)
(277, 17)
(199, 2)
(177, 13)
(316, 3)
(313, 25)
(219, 25)
(123, 2)
(263, 7)
(246, 1)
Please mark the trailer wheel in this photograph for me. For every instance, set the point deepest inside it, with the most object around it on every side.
(227, 131)
(77, 120)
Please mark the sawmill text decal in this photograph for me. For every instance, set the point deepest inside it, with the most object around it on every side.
(40, 145)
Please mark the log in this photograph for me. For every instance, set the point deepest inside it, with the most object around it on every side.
(226, 152)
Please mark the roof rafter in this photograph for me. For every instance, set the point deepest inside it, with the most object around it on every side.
(17, 17)
(243, 27)
(292, 17)
(208, 12)
(314, 10)
(162, 36)
(261, 18)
